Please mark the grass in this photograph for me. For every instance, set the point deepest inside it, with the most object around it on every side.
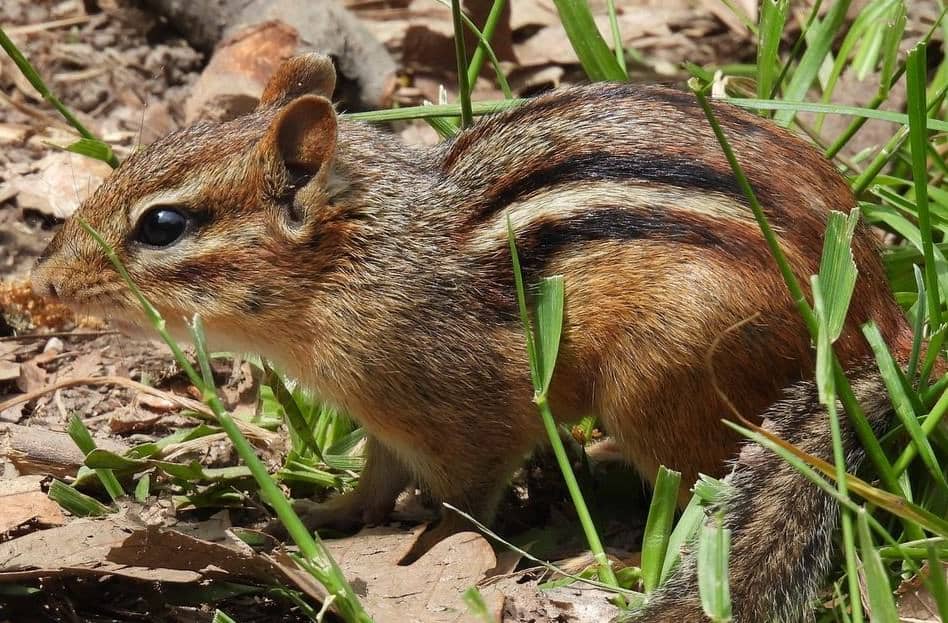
(892, 520)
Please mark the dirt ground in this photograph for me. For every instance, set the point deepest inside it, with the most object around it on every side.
(128, 74)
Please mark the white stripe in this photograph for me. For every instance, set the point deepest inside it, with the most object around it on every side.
(572, 200)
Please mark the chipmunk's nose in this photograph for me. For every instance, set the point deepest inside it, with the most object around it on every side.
(42, 278)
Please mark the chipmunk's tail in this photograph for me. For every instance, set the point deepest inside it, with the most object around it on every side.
(781, 524)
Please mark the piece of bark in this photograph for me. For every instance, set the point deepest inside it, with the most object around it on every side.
(234, 78)
(364, 67)
(39, 451)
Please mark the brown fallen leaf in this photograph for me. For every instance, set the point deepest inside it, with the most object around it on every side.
(22, 508)
(429, 589)
(63, 179)
(22, 501)
(916, 603)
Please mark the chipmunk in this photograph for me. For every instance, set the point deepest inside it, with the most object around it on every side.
(379, 275)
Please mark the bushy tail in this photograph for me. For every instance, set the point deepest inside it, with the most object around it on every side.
(781, 524)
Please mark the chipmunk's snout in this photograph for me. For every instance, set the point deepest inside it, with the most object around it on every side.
(42, 277)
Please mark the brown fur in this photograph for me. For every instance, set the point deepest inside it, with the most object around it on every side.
(379, 275)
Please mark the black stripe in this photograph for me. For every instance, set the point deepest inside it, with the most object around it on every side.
(540, 243)
(543, 241)
(606, 167)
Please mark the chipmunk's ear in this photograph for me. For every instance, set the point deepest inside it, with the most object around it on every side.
(307, 74)
(302, 136)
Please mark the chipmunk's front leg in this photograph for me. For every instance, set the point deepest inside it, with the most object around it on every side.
(383, 478)
(472, 485)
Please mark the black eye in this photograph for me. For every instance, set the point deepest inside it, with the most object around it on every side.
(162, 227)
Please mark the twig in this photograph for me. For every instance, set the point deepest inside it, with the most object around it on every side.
(42, 336)
(258, 434)
(50, 25)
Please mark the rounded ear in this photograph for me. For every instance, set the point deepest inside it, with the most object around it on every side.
(303, 134)
(307, 74)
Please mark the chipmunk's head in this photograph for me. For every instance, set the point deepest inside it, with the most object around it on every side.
(230, 221)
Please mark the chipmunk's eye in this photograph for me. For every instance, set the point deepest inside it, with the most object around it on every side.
(162, 226)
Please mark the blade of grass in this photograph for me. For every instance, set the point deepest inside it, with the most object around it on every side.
(867, 113)
(877, 584)
(825, 381)
(935, 581)
(692, 518)
(81, 437)
(713, 548)
(79, 504)
(294, 415)
(773, 17)
(797, 47)
(464, 86)
(549, 322)
(838, 269)
(918, 324)
(616, 37)
(541, 369)
(33, 77)
(484, 48)
(819, 45)
(916, 67)
(658, 526)
(591, 49)
(901, 402)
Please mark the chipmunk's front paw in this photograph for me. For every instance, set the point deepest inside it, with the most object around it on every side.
(346, 513)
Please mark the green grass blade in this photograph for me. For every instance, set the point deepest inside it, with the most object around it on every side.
(522, 307)
(877, 583)
(658, 526)
(933, 124)
(81, 437)
(433, 110)
(918, 324)
(616, 36)
(838, 269)
(685, 530)
(894, 30)
(484, 48)
(819, 46)
(916, 68)
(476, 604)
(143, 488)
(773, 17)
(591, 49)
(79, 504)
(464, 87)
(549, 312)
(294, 415)
(33, 77)
(824, 346)
(538, 374)
(93, 148)
(714, 546)
(902, 403)
(935, 581)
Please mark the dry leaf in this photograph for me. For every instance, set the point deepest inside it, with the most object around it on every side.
(63, 179)
(19, 509)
